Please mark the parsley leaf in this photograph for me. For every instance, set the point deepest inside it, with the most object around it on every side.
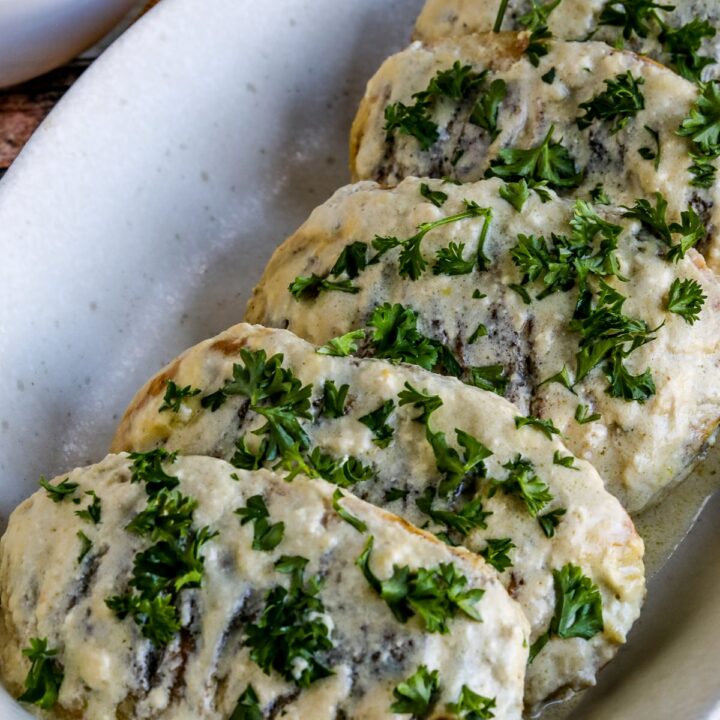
(567, 461)
(93, 511)
(348, 517)
(581, 415)
(341, 473)
(546, 427)
(436, 197)
(550, 520)
(702, 127)
(561, 378)
(450, 261)
(396, 337)
(428, 404)
(647, 153)
(464, 521)
(686, 298)
(43, 681)
(434, 594)
(351, 261)
(334, 399)
(57, 493)
(480, 332)
(395, 494)
(455, 469)
(578, 608)
(489, 377)
(248, 706)
(470, 705)
(291, 634)
(523, 481)
(485, 112)
(599, 196)
(267, 535)
(85, 545)
(683, 43)
(411, 120)
(311, 287)
(516, 193)
(174, 395)
(156, 616)
(417, 694)
(147, 468)
(496, 553)
(501, 14)
(621, 101)
(376, 422)
(550, 162)
(342, 346)
(633, 16)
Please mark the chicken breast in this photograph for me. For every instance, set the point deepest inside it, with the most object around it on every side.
(274, 612)
(587, 116)
(449, 458)
(683, 37)
(648, 378)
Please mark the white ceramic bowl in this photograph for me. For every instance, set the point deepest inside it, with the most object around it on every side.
(39, 35)
(140, 215)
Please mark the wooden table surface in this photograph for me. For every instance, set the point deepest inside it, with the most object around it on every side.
(23, 107)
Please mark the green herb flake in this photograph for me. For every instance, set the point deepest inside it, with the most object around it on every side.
(549, 76)
(436, 197)
(686, 298)
(486, 110)
(376, 422)
(57, 493)
(620, 102)
(480, 332)
(550, 520)
(174, 396)
(599, 196)
(516, 193)
(418, 693)
(633, 16)
(567, 461)
(267, 536)
(395, 494)
(496, 553)
(546, 427)
(147, 468)
(358, 524)
(45, 677)
(420, 400)
(342, 346)
(93, 511)
(248, 706)
(477, 295)
(334, 399)
(471, 706)
(454, 468)
(85, 545)
(523, 481)
(351, 261)
(470, 517)
(582, 417)
(648, 153)
(311, 287)
(492, 378)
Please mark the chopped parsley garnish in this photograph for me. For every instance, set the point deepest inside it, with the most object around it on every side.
(550, 520)
(496, 553)
(396, 337)
(311, 287)
(428, 404)
(436, 197)
(546, 427)
(621, 101)
(147, 468)
(501, 14)
(702, 128)
(536, 21)
(477, 295)
(480, 332)
(567, 461)
(57, 493)
(516, 193)
(351, 261)
(174, 396)
(85, 545)
(43, 681)
(450, 261)
(412, 120)
(522, 292)
(395, 494)
(172, 564)
(648, 153)
(334, 399)
(348, 517)
(376, 422)
(411, 263)
(248, 706)
(489, 377)
(457, 470)
(267, 536)
(345, 473)
(549, 162)
(549, 77)
(485, 112)
(417, 694)
(683, 43)
(471, 706)
(599, 196)
(561, 378)
(582, 417)
(633, 16)
(578, 608)
(468, 518)
(291, 634)
(93, 511)
(435, 595)
(686, 299)
(691, 230)
(344, 345)
(523, 481)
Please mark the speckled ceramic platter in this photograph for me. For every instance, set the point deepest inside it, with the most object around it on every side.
(138, 218)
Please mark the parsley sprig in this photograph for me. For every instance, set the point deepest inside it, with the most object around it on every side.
(496, 553)
(248, 706)
(45, 676)
(472, 706)
(686, 298)
(57, 493)
(702, 128)
(578, 608)
(344, 345)
(174, 396)
(618, 103)
(291, 636)
(266, 535)
(418, 693)
(376, 422)
(633, 16)
(435, 595)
